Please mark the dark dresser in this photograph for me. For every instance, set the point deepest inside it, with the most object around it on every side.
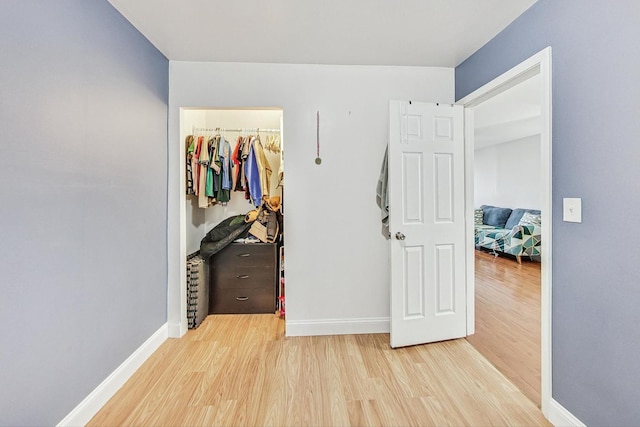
(243, 278)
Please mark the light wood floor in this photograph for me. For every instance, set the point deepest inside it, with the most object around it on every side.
(508, 319)
(241, 370)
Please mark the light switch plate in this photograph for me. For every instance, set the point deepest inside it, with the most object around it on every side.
(572, 210)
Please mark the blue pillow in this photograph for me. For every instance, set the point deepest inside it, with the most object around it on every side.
(494, 216)
(516, 216)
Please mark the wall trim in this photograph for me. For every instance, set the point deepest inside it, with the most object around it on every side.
(540, 63)
(559, 416)
(369, 325)
(91, 404)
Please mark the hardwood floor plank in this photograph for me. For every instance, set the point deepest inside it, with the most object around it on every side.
(508, 319)
(242, 370)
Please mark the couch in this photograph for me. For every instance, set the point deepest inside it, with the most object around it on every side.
(510, 231)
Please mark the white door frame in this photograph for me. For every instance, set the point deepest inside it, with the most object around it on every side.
(177, 290)
(539, 63)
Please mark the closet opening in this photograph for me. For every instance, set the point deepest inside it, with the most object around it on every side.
(233, 228)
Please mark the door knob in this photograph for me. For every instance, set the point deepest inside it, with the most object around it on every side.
(399, 236)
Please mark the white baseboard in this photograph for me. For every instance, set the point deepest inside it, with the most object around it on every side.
(560, 417)
(177, 330)
(91, 404)
(375, 325)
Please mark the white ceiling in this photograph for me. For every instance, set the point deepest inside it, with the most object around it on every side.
(437, 33)
(440, 33)
(509, 116)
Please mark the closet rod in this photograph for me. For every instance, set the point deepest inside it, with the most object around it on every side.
(257, 130)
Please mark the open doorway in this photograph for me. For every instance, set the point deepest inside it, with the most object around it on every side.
(234, 168)
(535, 71)
(507, 184)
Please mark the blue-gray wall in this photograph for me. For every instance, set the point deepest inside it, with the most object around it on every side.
(596, 156)
(83, 119)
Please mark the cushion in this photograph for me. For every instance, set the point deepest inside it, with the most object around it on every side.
(516, 215)
(530, 219)
(495, 216)
(477, 216)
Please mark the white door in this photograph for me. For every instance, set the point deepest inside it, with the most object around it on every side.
(426, 221)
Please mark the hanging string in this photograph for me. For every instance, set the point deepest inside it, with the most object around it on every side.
(318, 159)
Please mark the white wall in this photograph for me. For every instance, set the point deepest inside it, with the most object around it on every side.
(198, 220)
(337, 259)
(509, 174)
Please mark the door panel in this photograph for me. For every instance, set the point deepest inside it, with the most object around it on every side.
(426, 202)
(414, 265)
(445, 270)
(412, 187)
(443, 199)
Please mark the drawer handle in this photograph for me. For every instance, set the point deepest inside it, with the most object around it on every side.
(242, 276)
(244, 255)
(242, 298)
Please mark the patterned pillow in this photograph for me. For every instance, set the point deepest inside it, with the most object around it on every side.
(530, 219)
(477, 216)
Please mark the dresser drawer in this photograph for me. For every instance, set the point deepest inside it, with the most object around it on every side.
(242, 300)
(245, 277)
(238, 255)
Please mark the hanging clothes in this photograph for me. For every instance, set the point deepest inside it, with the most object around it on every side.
(264, 168)
(237, 184)
(211, 170)
(253, 176)
(215, 168)
(246, 148)
(223, 194)
(225, 159)
(281, 165)
(243, 152)
(195, 166)
(203, 163)
(190, 145)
